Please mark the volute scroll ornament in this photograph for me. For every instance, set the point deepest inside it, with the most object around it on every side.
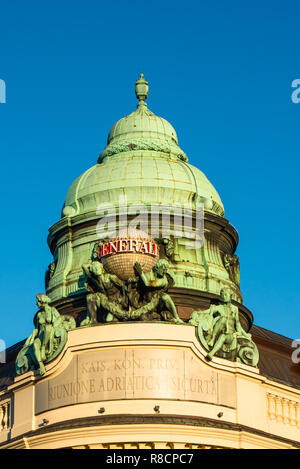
(220, 332)
(47, 339)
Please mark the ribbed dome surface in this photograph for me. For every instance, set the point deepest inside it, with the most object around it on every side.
(142, 123)
(143, 162)
(143, 177)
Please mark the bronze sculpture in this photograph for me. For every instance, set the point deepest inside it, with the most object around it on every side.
(46, 340)
(221, 334)
(143, 297)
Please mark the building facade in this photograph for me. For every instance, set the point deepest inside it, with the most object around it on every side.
(141, 339)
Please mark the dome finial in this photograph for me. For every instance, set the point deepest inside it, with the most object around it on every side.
(141, 88)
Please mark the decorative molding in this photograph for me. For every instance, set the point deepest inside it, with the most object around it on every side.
(123, 419)
(217, 209)
(148, 445)
(137, 144)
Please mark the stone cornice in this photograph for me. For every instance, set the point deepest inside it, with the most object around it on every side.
(128, 419)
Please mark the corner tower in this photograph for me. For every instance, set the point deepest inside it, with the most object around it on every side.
(143, 166)
(142, 340)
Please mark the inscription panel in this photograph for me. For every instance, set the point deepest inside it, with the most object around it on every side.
(135, 373)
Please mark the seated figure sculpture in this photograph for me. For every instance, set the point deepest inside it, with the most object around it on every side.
(107, 294)
(143, 297)
(154, 287)
(47, 339)
(220, 332)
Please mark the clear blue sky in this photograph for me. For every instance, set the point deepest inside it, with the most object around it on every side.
(220, 72)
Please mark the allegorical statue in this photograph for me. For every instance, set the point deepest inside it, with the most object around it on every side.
(221, 334)
(232, 265)
(107, 295)
(153, 287)
(143, 297)
(47, 339)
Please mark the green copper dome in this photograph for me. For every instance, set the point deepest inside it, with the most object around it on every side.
(142, 123)
(147, 178)
(142, 130)
(143, 162)
(143, 172)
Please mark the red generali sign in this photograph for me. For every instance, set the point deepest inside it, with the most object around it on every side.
(127, 245)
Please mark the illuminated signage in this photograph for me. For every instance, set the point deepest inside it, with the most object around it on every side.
(127, 245)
